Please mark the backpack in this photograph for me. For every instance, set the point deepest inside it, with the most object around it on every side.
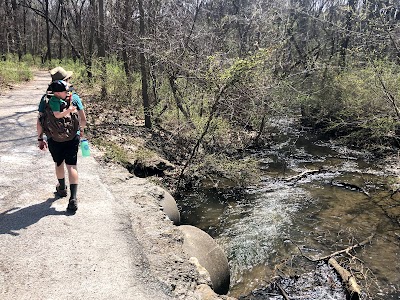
(62, 129)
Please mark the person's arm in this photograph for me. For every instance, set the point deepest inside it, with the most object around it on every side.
(82, 121)
(66, 112)
(76, 100)
(42, 144)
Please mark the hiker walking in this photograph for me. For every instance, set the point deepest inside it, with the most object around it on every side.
(62, 119)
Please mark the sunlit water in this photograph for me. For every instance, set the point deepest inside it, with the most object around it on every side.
(262, 230)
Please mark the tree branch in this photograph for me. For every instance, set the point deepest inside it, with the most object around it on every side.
(43, 15)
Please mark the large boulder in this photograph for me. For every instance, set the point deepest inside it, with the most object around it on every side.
(200, 245)
(167, 204)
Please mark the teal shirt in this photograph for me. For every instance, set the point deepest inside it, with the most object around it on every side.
(55, 104)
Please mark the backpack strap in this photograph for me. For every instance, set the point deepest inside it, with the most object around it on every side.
(45, 98)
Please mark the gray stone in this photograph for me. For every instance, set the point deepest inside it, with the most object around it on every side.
(199, 244)
(167, 203)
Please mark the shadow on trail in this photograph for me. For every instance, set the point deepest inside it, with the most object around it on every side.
(15, 117)
(16, 219)
(20, 139)
(16, 126)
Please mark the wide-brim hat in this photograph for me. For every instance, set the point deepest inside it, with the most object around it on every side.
(59, 73)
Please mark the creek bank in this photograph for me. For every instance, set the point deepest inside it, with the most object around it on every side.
(168, 148)
(161, 240)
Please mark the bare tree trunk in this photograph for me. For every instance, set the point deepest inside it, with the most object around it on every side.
(345, 41)
(17, 35)
(126, 20)
(152, 60)
(3, 28)
(48, 55)
(102, 49)
(211, 115)
(61, 27)
(92, 25)
(145, 95)
(25, 42)
(178, 99)
(153, 78)
(260, 130)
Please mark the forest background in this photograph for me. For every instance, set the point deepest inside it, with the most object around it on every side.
(202, 81)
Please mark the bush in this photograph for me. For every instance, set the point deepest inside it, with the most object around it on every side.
(222, 171)
(358, 105)
(12, 71)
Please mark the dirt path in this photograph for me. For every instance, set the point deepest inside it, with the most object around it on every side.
(118, 245)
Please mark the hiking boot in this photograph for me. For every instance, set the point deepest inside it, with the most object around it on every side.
(60, 192)
(72, 205)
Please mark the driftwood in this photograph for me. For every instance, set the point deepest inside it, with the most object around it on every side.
(350, 186)
(345, 185)
(351, 284)
(347, 250)
(394, 192)
(283, 292)
(304, 174)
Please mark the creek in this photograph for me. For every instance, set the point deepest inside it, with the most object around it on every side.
(343, 202)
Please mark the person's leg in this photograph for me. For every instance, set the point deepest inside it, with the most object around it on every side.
(60, 174)
(73, 180)
(56, 151)
(72, 174)
(73, 186)
(71, 158)
(61, 188)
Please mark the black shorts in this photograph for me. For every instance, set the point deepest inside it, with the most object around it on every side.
(64, 151)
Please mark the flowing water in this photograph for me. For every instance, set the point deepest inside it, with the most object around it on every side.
(266, 230)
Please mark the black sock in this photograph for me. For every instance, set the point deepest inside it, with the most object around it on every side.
(62, 183)
(74, 189)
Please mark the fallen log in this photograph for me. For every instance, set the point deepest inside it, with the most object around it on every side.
(283, 292)
(347, 250)
(350, 282)
(392, 193)
(348, 279)
(350, 186)
(305, 174)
